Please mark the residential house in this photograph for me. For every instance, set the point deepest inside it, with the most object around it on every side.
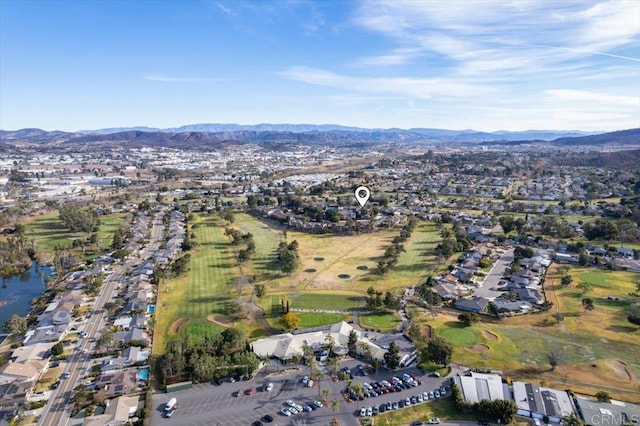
(473, 304)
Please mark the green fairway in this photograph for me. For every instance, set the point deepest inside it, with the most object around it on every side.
(327, 301)
(263, 264)
(48, 232)
(207, 288)
(382, 321)
(458, 336)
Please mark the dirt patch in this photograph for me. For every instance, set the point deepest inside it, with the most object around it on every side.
(489, 335)
(177, 325)
(618, 371)
(478, 348)
(220, 320)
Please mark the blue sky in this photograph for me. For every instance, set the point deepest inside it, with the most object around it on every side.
(486, 65)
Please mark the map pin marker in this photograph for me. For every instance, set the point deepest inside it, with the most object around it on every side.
(362, 195)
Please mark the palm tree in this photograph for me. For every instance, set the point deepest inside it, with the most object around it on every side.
(331, 342)
(335, 406)
(572, 420)
(316, 376)
(325, 393)
(333, 361)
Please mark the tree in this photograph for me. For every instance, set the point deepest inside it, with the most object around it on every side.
(555, 358)
(603, 396)
(587, 302)
(289, 321)
(352, 342)
(78, 219)
(392, 356)
(107, 341)
(566, 280)
(15, 325)
(57, 349)
(468, 318)
(585, 287)
(634, 315)
(558, 316)
(118, 239)
(335, 406)
(572, 420)
(325, 393)
(438, 350)
(331, 342)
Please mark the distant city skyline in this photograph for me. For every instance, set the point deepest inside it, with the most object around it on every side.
(482, 65)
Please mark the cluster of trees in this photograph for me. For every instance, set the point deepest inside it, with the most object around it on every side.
(468, 318)
(437, 350)
(214, 357)
(601, 229)
(374, 300)
(77, 218)
(392, 254)
(237, 238)
(509, 223)
(15, 256)
(502, 410)
(453, 241)
(179, 265)
(426, 289)
(288, 256)
(15, 325)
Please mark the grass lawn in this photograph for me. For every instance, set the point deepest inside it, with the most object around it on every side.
(444, 409)
(48, 232)
(316, 319)
(206, 289)
(382, 321)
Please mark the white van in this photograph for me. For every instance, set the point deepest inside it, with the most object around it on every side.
(170, 404)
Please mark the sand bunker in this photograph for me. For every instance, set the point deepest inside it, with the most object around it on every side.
(220, 320)
(619, 371)
(489, 335)
(478, 348)
(177, 324)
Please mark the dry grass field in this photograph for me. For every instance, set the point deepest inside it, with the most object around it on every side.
(599, 348)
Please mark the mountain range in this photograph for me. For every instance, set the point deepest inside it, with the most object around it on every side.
(211, 135)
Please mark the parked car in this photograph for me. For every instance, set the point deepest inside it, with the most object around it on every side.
(285, 412)
(434, 421)
(363, 412)
(249, 391)
(318, 404)
(269, 387)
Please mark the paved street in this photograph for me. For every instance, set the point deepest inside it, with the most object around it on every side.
(207, 404)
(492, 279)
(58, 409)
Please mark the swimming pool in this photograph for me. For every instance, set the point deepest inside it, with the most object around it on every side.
(151, 309)
(143, 374)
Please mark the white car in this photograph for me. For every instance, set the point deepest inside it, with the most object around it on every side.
(285, 412)
(269, 387)
(363, 412)
(370, 411)
(434, 421)
(290, 403)
(318, 404)
(305, 379)
(310, 383)
(437, 394)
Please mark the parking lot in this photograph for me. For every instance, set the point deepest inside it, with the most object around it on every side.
(228, 404)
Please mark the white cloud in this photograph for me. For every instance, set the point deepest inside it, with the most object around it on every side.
(590, 97)
(413, 87)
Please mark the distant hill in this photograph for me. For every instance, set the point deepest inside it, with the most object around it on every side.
(622, 137)
(627, 160)
(422, 134)
(212, 135)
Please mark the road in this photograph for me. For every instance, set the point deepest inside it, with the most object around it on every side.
(492, 279)
(58, 410)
